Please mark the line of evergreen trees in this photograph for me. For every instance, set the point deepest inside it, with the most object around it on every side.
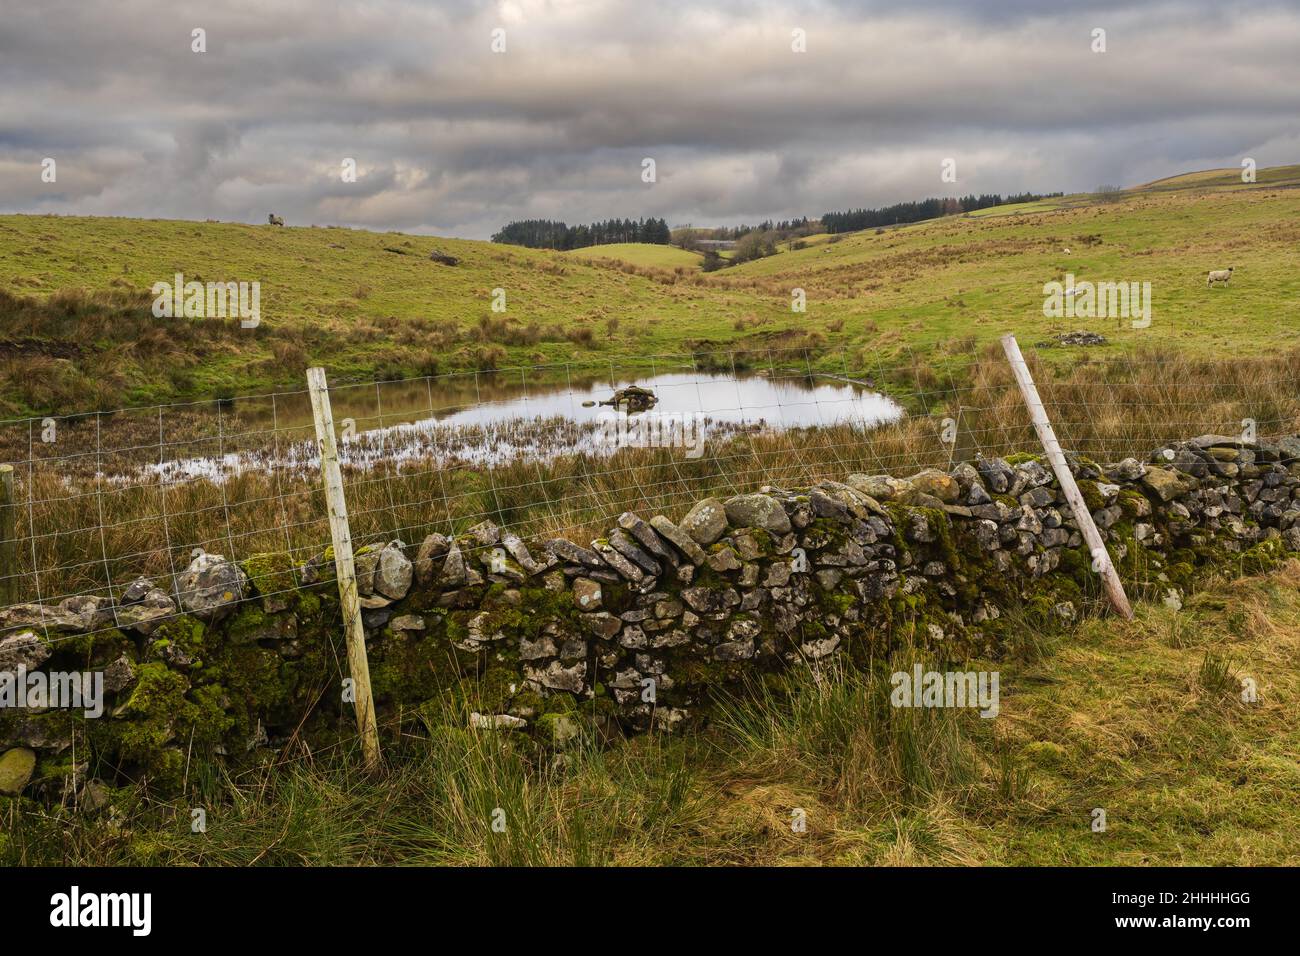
(784, 229)
(548, 234)
(855, 219)
(552, 234)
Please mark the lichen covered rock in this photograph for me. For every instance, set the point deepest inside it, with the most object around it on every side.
(16, 768)
(643, 629)
(211, 586)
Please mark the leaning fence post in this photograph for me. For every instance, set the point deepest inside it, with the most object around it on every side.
(349, 599)
(8, 537)
(1111, 583)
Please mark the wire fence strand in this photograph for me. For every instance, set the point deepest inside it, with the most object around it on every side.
(104, 499)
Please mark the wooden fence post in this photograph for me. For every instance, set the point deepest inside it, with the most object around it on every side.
(1111, 583)
(8, 537)
(340, 533)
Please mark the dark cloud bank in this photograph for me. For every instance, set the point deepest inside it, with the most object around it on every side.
(452, 138)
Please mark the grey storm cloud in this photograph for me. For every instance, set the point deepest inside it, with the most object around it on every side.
(450, 137)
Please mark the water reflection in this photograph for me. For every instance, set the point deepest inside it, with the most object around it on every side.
(486, 421)
(777, 402)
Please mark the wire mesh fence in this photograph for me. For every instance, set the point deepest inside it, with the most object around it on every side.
(102, 499)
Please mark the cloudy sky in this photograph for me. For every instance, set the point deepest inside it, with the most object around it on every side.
(453, 138)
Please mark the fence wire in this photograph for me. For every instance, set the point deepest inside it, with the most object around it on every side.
(102, 499)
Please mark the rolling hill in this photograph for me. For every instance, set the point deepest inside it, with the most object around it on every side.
(77, 333)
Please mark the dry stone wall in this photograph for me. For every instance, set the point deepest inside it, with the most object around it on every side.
(639, 628)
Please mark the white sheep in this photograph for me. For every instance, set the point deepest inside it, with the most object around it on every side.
(274, 220)
(1219, 275)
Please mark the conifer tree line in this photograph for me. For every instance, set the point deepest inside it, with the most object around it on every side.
(549, 234)
(553, 234)
(783, 229)
(854, 219)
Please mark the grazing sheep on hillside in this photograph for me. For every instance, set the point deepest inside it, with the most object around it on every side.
(1219, 275)
(274, 220)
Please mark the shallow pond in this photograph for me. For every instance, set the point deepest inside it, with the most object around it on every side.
(490, 420)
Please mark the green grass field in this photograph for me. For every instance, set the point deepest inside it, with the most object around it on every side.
(816, 239)
(640, 254)
(930, 282)
(373, 304)
(1226, 179)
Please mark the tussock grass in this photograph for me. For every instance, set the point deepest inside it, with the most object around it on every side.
(836, 726)
(1114, 718)
(1107, 410)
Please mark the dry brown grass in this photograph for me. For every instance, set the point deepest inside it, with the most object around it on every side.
(80, 531)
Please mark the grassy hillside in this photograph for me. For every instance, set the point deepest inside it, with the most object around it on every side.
(1141, 719)
(931, 282)
(640, 254)
(1229, 178)
(77, 332)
